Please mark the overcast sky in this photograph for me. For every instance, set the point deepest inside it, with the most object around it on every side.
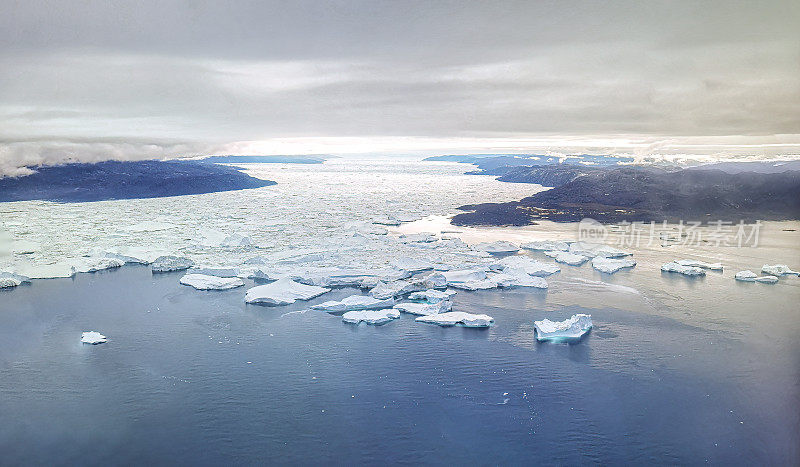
(136, 79)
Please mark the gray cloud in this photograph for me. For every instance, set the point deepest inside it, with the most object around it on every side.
(82, 79)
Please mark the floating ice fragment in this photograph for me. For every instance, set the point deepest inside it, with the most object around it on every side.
(778, 270)
(499, 247)
(767, 279)
(700, 264)
(454, 318)
(546, 245)
(570, 258)
(9, 280)
(592, 250)
(570, 329)
(515, 277)
(745, 276)
(206, 282)
(681, 269)
(171, 263)
(354, 302)
(417, 308)
(282, 292)
(93, 337)
(48, 271)
(374, 317)
(530, 265)
(98, 264)
(611, 265)
(432, 296)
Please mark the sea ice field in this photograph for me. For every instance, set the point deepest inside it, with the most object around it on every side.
(676, 368)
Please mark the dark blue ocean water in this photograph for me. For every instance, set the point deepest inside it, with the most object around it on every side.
(200, 378)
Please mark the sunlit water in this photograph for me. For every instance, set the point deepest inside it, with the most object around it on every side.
(676, 370)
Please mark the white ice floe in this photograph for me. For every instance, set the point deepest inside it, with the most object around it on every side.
(611, 265)
(374, 317)
(206, 282)
(47, 271)
(282, 292)
(9, 280)
(354, 302)
(750, 276)
(469, 279)
(423, 237)
(420, 308)
(570, 258)
(515, 277)
(530, 265)
(454, 318)
(592, 250)
(681, 269)
(432, 296)
(778, 270)
(412, 264)
(573, 328)
(171, 263)
(397, 288)
(546, 245)
(499, 247)
(93, 337)
(700, 264)
(98, 264)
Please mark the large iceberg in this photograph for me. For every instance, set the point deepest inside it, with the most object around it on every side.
(700, 264)
(681, 269)
(569, 329)
(530, 265)
(171, 263)
(499, 247)
(282, 292)
(354, 302)
(778, 270)
(611, 265)
(206, 282)
(374, 317)
(93, 337)
(546, 245)
(454, 318)
(570, 258)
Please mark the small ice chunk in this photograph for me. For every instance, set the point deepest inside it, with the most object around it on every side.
(99, 264)
(767, 279)
(461, 318)
(611, 265)
(546, 245)
(570, 258)
(206, 282)
(778, 270)
(530, 265)
(592, 250)
(412, 265)
(469, 279)
(354, 302)
(374, 317)
(171, 263)
(93, 337)
(392, 289)
(700, 264)
(418, 308)
(499, 247)
(435, 280)
(432, 296)
(48, 271)
(9, 280)
(282, 292)
(745, 276)
(570, 329)
(681, 269)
